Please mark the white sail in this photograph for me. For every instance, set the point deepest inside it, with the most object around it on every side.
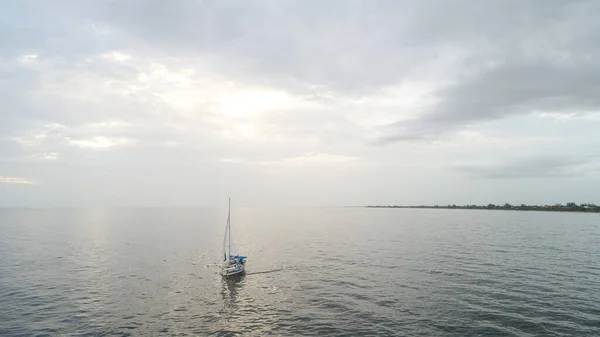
(225, 249)
(227, 239)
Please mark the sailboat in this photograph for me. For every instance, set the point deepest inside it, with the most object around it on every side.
(233, 263)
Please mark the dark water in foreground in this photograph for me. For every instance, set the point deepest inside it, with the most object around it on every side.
(149, 272)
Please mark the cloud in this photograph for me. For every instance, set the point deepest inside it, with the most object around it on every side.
(297, 90)
(14, 180)
(27, 58)
(36, 137)
(356, 48)
(109, 124)
(116, 56)
(537, 167)
(100, 142)
(506, 90)
(44, 156)
(319, 158)
(315, 158)
(571, 116)
(474, 66)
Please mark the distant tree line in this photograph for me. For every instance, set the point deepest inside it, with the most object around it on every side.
(569, 207)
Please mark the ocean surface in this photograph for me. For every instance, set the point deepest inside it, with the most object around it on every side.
(311, 272)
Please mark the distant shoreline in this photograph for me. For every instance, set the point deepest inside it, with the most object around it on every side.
(569, 207)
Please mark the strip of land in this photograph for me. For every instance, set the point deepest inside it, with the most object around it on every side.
(569, 207)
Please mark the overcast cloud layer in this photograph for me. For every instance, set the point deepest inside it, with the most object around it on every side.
(182, 103)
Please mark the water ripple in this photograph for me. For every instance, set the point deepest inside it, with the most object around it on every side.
(342, 272)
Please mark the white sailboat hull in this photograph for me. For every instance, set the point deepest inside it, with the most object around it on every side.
(233, 269)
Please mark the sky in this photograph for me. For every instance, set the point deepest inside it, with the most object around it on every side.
(313, 103)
